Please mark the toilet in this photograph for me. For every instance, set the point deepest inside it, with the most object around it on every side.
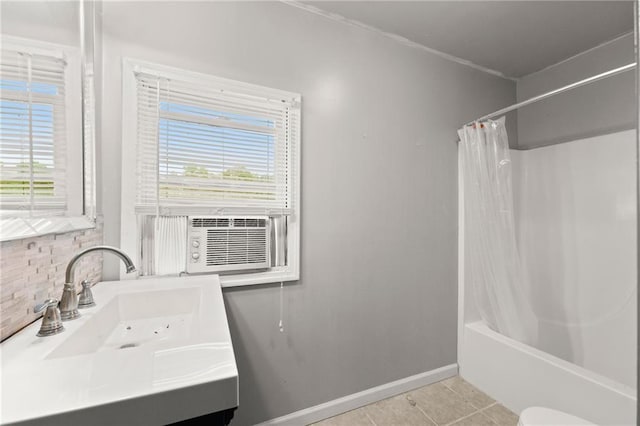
(541, 416)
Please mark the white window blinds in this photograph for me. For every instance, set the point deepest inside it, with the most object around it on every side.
(214, 146)
(33, 131)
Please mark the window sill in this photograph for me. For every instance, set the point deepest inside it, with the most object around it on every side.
(275, 275)
(17, 228)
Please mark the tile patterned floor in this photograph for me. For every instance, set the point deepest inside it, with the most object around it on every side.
(451, 402)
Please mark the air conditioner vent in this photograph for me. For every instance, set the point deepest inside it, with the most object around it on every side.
(236, 246)
(209, 222)
(216, 222)
(249, 223)
(228, 243)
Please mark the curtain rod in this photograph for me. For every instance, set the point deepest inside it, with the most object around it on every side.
(568, 87)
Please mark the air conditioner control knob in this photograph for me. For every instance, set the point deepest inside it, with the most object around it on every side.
(195, 255)
(195, 243)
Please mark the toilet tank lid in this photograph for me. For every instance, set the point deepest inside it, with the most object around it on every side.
(541, 416)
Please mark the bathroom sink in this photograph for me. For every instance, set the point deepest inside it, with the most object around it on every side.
(154, 319)
(153, 351)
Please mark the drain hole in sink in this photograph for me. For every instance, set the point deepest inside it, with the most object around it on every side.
(128, 345)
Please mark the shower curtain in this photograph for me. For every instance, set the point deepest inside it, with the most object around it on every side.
(492, 263)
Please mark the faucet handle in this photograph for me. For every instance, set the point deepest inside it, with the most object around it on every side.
(51, 321)
(86, 296)
(42, 306)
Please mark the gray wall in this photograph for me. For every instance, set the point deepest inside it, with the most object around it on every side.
(602, 107)
(57, 22)
(376, 301)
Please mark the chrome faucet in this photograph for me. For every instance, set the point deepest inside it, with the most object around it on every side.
(69, 299)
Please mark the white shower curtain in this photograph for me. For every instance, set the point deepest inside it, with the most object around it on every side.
(492, 262)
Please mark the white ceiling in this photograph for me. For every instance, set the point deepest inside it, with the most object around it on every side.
(514, 38)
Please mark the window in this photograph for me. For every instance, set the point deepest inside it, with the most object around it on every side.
(37, 115)
(210, 146)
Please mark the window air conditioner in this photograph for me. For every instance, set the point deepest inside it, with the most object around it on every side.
(228, 243)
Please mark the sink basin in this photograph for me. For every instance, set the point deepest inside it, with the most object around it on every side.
(153, 351)
(153, 319)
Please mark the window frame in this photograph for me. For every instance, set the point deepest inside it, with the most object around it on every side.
(130, 66)
(26, 222)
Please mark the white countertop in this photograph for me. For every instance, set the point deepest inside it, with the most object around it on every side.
(82, 375)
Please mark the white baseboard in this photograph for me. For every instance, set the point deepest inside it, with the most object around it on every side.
(368, 396)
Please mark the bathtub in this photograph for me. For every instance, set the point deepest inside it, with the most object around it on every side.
(520, 376)
(575, 213)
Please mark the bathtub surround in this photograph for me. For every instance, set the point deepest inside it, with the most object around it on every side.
(32, 270)
(361, 315)
(576, 218)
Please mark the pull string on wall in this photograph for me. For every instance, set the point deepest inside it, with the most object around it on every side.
(281, 323)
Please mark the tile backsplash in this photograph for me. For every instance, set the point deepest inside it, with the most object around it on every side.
(32, 270)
